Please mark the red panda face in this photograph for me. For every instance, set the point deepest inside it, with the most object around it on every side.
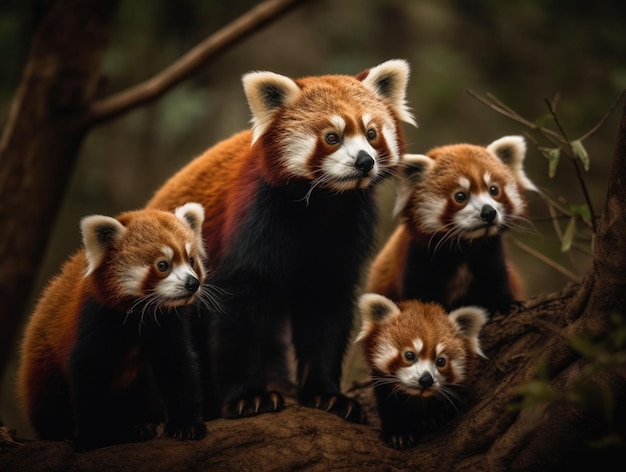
(464, 191)
(418, 347)
(337, 132)
(152, 257)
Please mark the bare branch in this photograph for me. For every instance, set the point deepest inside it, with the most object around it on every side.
(156, 86)
(576, 164)
(546, 260)
(604, 118)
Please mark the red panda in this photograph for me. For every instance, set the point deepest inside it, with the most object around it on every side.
(454, 204)
(105, 346)
(420, 358)
(291, 213)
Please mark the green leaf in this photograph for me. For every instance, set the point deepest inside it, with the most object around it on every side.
(582, 211)
(553, 160)
(544, 120)
(568, 236)
(581, 153)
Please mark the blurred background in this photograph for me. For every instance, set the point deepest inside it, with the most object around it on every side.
(520, 51)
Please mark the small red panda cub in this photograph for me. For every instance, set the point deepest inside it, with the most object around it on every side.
(291, 213)
(105, 345)
(454, 204)
(420, 358)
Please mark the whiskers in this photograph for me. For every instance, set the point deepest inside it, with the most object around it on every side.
(448, 393)
(447, 233)
(151, 301)
(209, 295)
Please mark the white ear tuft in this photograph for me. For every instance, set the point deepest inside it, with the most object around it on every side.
(266, 92)
(389, 81)
(511, 150)
(414, 168)
(470, 320)
(193, 215)
(99, 233)
(374, 308)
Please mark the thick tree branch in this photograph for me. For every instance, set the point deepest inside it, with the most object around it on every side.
(156, 86)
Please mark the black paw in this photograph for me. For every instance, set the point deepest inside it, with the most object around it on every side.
(338, 404)
(267, 402)
(399, 441)
(184, 432)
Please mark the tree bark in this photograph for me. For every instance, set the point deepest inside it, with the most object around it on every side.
(39, 146)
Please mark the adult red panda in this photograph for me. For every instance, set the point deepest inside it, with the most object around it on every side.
(290, 218)
(454, 204)
(105, 355)
(420, 358)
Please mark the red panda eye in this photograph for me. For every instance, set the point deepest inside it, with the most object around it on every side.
(409, 356)
(332, 138)
(163, 266)
(460, 197)
(494, 190)
(441, 361)
(371, 134)
(192, 262)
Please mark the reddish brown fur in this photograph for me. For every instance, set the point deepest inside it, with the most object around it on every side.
(52, 328)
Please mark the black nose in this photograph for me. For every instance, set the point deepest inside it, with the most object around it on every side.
(488, 213)
(192, 284)
(426, 380)
(364, 162)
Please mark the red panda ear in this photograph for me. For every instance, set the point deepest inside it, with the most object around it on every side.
(374, 308)
(389, 81)
(266, 92)
(193, 215)
(414, 168)
(99, 233)
(470, 320)
(511, 150)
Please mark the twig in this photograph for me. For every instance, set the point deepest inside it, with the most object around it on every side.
(604, 118)
(576, 164)
(156, 86)
(546, 260)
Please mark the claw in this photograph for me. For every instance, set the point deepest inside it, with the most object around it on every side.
(331, 403)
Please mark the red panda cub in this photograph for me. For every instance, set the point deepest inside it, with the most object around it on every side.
(420, 358)
(105, 346)
(291, 213)
(454, 204)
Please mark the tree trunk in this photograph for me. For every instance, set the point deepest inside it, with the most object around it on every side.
(40, 142)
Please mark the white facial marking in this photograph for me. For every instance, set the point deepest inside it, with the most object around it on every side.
(132, 278)
(168, 252)
(385, 352)
(296, 152)
(429, 213)
(389, 133)
(464, 183)
(340, 164)
(173, 286)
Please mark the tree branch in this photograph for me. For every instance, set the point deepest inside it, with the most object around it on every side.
(257, 17)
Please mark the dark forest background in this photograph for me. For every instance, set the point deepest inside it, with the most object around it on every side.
(520, 51)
